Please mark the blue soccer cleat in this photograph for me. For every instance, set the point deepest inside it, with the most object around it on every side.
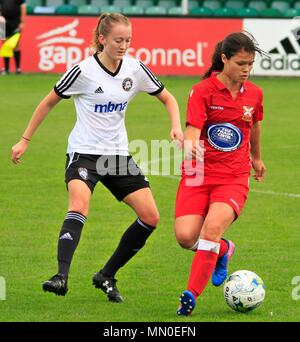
(221, 270)
(187, 303)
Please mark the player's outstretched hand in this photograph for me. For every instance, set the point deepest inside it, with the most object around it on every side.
(260, 170)
(177, 134)
(18, 150)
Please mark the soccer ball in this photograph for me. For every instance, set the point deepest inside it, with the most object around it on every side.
(244, 291)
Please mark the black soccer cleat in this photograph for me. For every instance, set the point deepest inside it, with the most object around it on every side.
(108, 286)
(58, 284)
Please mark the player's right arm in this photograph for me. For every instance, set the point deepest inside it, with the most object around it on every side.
(192, 149)
(37, 118)
(195, 118)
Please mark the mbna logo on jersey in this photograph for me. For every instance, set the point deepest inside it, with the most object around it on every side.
(127, 84)
(83, 173)
(224, 137)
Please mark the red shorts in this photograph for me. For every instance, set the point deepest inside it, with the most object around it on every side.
(195, 200)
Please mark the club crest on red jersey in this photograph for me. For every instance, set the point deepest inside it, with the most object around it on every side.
(248, 113)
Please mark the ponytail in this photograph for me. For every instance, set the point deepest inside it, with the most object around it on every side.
(216, 61)
(95, 43)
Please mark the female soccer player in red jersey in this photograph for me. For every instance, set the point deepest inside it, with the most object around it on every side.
(224, 111)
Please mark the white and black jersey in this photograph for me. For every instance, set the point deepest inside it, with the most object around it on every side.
(101, 99)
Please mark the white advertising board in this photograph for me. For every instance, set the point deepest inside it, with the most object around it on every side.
(280, 38)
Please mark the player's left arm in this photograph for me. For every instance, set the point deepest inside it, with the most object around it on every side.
(172, 108)
(23, 15)
(257, 163)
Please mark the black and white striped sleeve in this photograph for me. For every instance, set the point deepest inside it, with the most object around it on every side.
(149, 82)
(69, 84)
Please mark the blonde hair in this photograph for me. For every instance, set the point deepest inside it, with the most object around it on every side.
(104, 27)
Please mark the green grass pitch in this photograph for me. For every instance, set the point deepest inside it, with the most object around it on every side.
(33, 204)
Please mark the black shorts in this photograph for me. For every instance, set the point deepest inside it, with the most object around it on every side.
(119, 174)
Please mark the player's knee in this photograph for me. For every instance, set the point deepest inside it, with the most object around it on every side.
(186, 239)
(79, 207)
(212, 231)
(151, 218)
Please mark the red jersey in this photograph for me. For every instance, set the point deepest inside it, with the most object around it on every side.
(225, 124)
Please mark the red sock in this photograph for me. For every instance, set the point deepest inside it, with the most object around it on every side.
(223, 247)
(202, 268)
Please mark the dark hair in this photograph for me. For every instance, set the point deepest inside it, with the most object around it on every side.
(231, 45)
(104, 26)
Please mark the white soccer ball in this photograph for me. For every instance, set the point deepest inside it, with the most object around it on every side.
(244, 291)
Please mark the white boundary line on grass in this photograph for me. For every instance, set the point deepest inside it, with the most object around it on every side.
(273, 193)
(263, 192)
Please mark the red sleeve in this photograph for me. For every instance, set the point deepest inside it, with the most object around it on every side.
(259, 110)
(196, 109)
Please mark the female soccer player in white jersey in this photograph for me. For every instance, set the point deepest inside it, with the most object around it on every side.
(102, 86)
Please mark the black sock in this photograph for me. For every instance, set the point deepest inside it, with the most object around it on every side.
(17, 55)
(6, 63)
(131, 242)
(68, 240)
